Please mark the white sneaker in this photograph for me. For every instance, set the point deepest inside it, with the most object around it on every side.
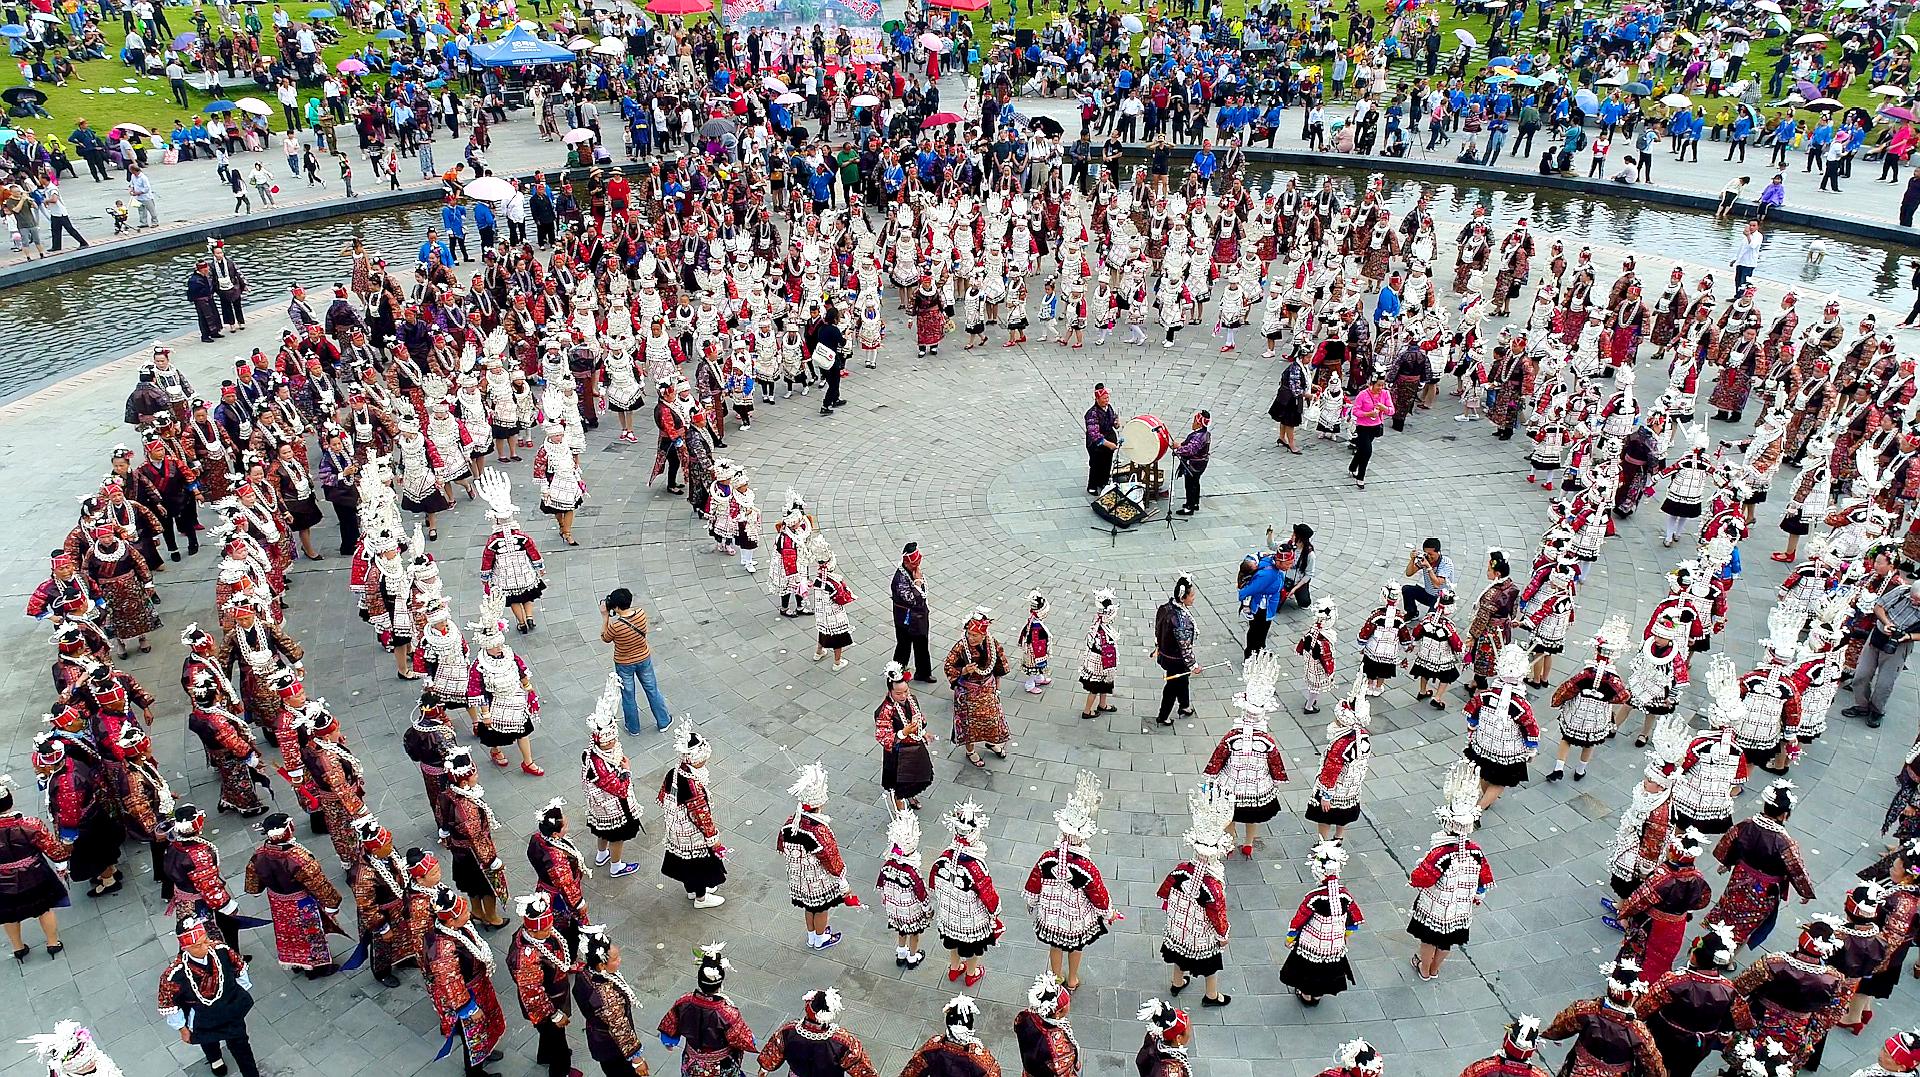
(818, 655)
(711, 901)
(622, 869)
(600, 859)
(840, 665)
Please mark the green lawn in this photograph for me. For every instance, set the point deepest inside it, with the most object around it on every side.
(1856, 94)
(154, 107)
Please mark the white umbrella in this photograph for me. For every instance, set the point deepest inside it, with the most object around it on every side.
(41, 16)
(1825, 104)
(610, 47)
(1131, 24)
(1690, 39)
(1611, 80)
(1550, 76)
(790, 99)
(1780, 21)
(1767, 6)
(1676, 100)
(1909, 42)
(933, 42)
(580, 44)
(865, 100)
(1890, 90)
(489, 189)
(1466, 39)
(1810, 39)
(253, 106)
(134, 129)
(579, 134)
(773, 85)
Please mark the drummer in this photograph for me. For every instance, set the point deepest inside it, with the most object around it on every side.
(1103, 436)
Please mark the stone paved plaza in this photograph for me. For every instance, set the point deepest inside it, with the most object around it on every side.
(976, 456)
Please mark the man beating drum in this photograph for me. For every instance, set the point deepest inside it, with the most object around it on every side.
(1103, 436)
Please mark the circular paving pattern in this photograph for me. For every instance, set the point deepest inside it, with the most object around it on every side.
(975, 456)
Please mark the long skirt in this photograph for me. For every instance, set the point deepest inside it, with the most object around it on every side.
(1658, 939)
(1316, 979)
(129, 614)
(474, 880)
(929, 326)
(483, 1031)
(236, 785)
(1748, 902)
(977, 717)
(299, 931)
(1731, 389)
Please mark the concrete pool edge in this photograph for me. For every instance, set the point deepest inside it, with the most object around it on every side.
(185, 235)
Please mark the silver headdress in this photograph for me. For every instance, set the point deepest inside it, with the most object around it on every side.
(1077, 821)
(1212, 807)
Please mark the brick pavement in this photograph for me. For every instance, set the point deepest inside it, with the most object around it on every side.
(975, 456)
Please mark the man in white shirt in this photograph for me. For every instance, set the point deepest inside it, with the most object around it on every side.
(1746, 255)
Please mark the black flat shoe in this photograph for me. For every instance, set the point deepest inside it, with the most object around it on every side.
(1107, 710)
(1175, 989)
(1209, 1000)
(388, 980)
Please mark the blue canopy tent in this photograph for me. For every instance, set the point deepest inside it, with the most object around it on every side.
(518, 48)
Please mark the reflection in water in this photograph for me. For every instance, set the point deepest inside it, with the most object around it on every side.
(59, 327)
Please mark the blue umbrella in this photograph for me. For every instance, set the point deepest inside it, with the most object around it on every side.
(436, 84)
(215, 107)
(1638, 89)
(322, 13)
(186, 40)
(1500, 61)
(389, 34)
(1497, 79)
(439, 29)
(13, 29)
(1525, 80)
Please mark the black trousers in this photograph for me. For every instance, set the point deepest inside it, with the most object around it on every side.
(908, 644)
(1412, 595)
(64, 224)
(553, 1051)
(209, 316)
(230, 310)
(240, 1048)
(1364, 437)
(543, 231)
(833, 387)
(616, 1067)
(673, 461)
(182, 516)
(1099, 467)
(97, 167)
(1192, 483)
(1681, 1053)
(1257, 632)
(1177, 690)
(349, 517)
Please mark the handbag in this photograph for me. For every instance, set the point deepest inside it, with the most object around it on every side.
(824, 356)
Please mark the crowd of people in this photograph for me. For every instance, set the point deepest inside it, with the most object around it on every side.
(751, 266)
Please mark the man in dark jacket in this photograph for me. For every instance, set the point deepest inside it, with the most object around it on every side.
(200, 292)
(910, 615)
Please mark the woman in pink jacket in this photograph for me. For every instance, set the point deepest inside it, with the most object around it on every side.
(1370, 408)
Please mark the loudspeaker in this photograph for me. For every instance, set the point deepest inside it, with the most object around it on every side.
(1022, 38)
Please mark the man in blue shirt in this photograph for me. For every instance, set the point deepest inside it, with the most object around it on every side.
(453, 216)
(1204, 164)
(1388, 305)
(483, 222)
(1817, 141)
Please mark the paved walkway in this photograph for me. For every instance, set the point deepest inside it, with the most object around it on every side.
(191, 194)
(976, 456)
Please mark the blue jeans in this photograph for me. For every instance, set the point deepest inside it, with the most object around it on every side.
(630, 704)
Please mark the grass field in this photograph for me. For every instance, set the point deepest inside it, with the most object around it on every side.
(154, 107)
(1858, 93)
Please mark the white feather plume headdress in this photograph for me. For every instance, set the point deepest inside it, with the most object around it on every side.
(1078, 821)
(1212, 807)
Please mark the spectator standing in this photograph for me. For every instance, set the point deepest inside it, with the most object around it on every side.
(1746, 255)
(1896, 624)
(626, 628)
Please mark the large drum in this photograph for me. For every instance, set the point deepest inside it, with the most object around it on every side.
(1144, 440)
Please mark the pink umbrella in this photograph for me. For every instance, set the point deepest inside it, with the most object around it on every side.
(1898, 112)
(940, 119)
(351, 67)
(680, 7)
